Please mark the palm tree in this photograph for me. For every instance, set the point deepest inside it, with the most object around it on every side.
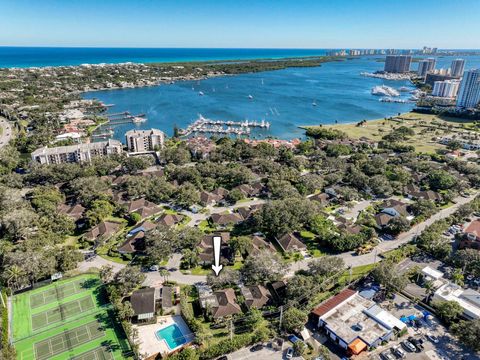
(429, 290)
(15, 277)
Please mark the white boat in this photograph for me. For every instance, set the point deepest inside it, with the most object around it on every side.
(250, 96)
(200, 93)
(314, 103)
(384, 90)
(138, 119)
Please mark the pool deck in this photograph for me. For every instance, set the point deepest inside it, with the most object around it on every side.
(150, 345)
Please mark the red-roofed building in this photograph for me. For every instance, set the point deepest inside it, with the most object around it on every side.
(471, 236)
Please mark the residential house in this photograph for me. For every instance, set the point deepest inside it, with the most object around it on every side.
(206, 248)
(105, 229)
(278, 289)
(170, 219)
(389, 210)
(355, 323)
(322, 198)
(135, 241)
(73, 211)
(471, 236)
(224, 220)
(291, 242)
(468, 299)
(143, 207)
(259, 244)
(209, 198)
(428, 195)
(256, 296)
(225, 304)
(250, 190)
(144, 304)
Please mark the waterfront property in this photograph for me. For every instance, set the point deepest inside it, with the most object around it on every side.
(167, 335)
(76, 153)
(67, 319)
(140, 141)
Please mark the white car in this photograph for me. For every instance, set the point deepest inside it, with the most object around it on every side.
(289, 353)
(432, 338)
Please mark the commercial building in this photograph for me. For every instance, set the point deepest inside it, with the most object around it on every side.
(468, 299)
(426, 66)
(446, 89)
(397, 63)
(144, 140)
(354, 322)
(457, 67)
(77, 152)
(438, 76)
(469, 93)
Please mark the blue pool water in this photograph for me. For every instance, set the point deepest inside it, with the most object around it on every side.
(172, 335)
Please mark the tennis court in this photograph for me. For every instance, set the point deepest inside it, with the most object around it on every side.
(100, 353)
(62, 312)
(68, 340)
(56, 293)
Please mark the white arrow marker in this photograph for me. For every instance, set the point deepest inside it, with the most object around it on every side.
(217, 242)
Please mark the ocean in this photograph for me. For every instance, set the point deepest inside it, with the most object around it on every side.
(58, 56)
(284, 98)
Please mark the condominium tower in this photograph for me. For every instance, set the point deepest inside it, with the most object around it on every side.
(77, 152)
(398, 63)
(469, 93)
(425, 66)
(446, 89)
(144, 140)
(457, 67)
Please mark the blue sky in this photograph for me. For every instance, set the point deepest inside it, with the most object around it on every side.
(241, 23)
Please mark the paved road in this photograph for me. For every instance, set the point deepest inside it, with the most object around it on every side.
(358, 260)
(154, 278)
(265, 353)
(6, 134)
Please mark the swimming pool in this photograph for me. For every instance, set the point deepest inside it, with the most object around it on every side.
(172, 335)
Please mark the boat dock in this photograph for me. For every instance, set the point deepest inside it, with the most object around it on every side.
(124, 118)
(204, 125)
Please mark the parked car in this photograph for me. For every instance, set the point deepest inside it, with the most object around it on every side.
(387, 355)
(418, 343)
(289, 353)
(398, 352)
(224, 357)
(257, 347)
(432, 338)
(407, 345)
(154, 268)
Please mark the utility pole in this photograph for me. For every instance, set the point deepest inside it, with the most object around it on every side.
(281, 318)
(231, 329)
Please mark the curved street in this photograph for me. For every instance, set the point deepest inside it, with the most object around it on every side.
(173, 265)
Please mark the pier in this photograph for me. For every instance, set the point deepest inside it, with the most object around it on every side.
(204, 125)
(124, 118)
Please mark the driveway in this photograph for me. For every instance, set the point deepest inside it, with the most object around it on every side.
(356, 209)
(265, 353)
(6, 133)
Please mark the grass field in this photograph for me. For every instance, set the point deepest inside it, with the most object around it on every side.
(69, 319)
(426, 127)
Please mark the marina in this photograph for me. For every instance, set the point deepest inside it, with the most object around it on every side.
(204, 125)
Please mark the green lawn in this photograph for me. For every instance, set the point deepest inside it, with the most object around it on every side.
(66, 319)
(357, 272)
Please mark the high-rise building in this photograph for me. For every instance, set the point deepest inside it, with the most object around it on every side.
(76, 153)
(469, 93)
(425, 66)
(398, 63)
(457, 68)
(144, 140)
(446, 89)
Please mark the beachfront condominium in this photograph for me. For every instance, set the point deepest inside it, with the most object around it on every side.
(77, 152)
(469, 93)
(446, 89)
(144, 140)
(425, 66)
(457, 67)
(397, 63)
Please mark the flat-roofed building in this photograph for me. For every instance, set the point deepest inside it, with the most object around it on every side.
(77, 152)
(468, 299)
(355, 323)
(397, 63)
(144, 140)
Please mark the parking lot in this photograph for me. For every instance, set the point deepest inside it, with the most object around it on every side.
(447, 347)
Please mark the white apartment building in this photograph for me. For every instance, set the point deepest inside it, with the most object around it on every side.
(77, 152)
(426, 66)
(144, 140)
(446, 89)
(469, 93)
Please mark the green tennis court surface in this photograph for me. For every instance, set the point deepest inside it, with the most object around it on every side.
(96, 354)
(62, 312)
(67, 340)
(56, 293)
(69, 319)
